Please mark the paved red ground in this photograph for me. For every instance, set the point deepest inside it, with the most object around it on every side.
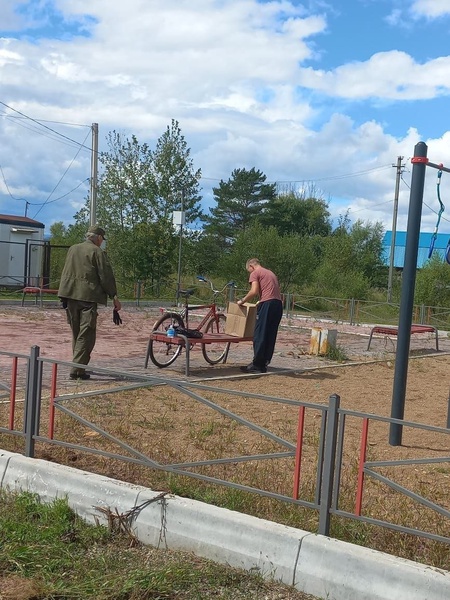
(124, 347)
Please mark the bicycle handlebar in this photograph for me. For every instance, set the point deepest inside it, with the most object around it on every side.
(227, 285)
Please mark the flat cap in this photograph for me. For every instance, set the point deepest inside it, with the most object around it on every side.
(97, 230)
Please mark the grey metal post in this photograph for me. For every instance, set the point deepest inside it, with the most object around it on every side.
(326, 493)
(288, 304)
(422, 314)
(407, 293)
(231, 293)
(31, 401)
(138, 293)
(352, 311)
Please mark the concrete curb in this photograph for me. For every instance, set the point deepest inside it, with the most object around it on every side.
(314, 564)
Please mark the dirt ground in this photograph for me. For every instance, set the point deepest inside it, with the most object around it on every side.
(364, 381)
(369, 378)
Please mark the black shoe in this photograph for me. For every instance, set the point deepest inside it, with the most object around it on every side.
(81, 375)
(251, 368)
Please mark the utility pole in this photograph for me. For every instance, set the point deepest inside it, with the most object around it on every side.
(94, 170)
(400, 168)
(26, 207)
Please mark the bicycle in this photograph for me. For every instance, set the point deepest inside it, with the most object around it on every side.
(163, 352)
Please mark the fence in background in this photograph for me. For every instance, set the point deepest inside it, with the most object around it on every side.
(362, 311)
(349, 310)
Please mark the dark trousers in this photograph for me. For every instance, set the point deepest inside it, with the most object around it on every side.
(82, 318)
(268, 317)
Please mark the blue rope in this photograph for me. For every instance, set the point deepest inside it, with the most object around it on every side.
(441, 210)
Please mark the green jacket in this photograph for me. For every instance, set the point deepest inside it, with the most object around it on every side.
(87, 275)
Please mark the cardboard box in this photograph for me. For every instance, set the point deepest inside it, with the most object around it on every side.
(241, 319)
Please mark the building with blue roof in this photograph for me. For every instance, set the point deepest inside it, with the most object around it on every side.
(440, 246)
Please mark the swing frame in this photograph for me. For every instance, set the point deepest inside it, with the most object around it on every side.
(420, 162)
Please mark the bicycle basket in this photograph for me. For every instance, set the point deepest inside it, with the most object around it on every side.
(192, 333)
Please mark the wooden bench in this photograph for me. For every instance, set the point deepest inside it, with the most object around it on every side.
(393, 330)
(38, 293)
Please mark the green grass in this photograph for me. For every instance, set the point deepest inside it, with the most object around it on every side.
(336, 353)
(47, 550)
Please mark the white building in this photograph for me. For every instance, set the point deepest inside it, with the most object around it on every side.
(21, 251)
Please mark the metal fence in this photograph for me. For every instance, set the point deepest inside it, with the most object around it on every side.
(356, 311)
(349, 310)
(29, 399)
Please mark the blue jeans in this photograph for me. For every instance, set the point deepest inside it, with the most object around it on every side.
(268, 317)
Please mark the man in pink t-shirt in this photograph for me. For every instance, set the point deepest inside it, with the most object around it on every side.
(263, 283)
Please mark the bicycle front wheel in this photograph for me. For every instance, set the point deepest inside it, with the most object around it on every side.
(216, 351)
(162, 354)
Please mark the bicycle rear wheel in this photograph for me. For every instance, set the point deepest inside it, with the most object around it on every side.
(215, 352)
(162, 354)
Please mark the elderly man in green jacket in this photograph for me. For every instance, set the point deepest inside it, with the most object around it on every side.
(87, 280)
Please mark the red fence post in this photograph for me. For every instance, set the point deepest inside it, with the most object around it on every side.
(362, 460)
(298, 451)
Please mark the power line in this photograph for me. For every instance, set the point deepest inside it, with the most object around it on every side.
(425, 204)
(48, 121)
(64, 195)
(55, 199)
(46, 201)
(31, 127)
(7, 187)
(370, 207)
(62, 176)
(330, 178)
(46, 127)
(336, 177)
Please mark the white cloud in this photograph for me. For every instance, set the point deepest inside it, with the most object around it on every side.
(390, 75)
(430, 8)
(231, 72)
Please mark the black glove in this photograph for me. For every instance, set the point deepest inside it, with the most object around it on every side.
(116, 317)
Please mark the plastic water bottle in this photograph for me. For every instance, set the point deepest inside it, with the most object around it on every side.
(171, 332)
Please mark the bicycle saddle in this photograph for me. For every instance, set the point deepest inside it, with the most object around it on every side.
(186, 292)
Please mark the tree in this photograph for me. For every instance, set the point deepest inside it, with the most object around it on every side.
(173, 173)
(433, 283)
(289, 256)
(61, 237)
(351, 260)
(126, 190)
(201, 253)
(240, 201)
(367, 242)
(137, 192)
(301, 213)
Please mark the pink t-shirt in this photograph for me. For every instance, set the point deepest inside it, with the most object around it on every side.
(269, 288)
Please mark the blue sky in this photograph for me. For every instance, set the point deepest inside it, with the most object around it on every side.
(313, 93)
